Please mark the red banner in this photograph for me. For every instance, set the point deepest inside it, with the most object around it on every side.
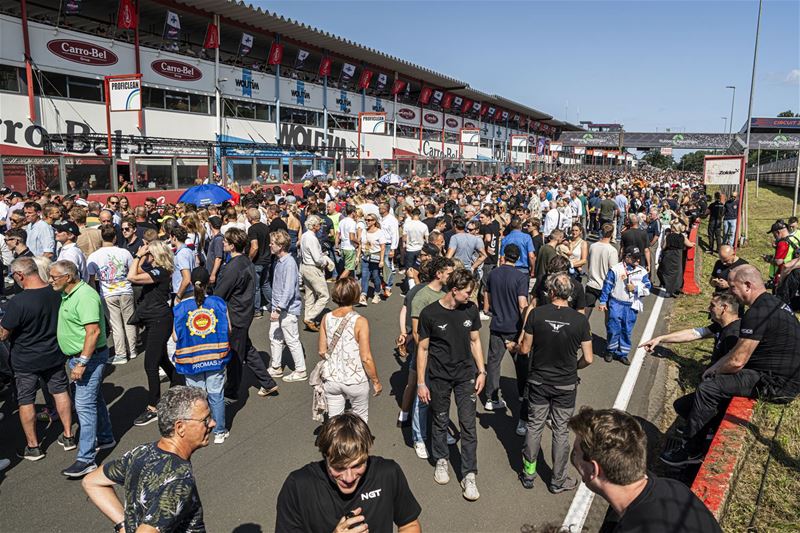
(447, 101)
(398, 86)
(466, 107)
(522, 122)
(498, 114)
(126, 15)
(484, 109)
(325, 65)
(275, 54)
(365, 79)
(425, 95)
(212, 37)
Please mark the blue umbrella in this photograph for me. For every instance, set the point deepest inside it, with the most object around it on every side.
(205, 195)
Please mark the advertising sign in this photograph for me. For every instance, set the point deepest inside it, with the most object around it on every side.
(723, 170)
(125, 94)
(519, 141)
(373, 123)
(408, 115)
(470, 136)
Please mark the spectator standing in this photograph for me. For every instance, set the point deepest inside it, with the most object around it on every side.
(373, 242)
(348, 241)
(466, 247)
(415, 235)
(313, 264)
(259, 254)
(66, 233)
(636, 237)
(670, 268)
(108, 270)
(159, 485)
(184, 264)
(729, 219)
(82, 338)
(653, 240)
(89, 238)
(547, 252)
(716, 213)
(391, 227)
(215, 254)
(131, 239)
(602, 256)
(344, 344)
(41, 240)
(527, 251)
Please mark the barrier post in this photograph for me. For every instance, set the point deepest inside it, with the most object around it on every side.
(693, 264)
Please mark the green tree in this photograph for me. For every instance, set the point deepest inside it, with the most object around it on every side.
(788, 113)
(655, 159)
(693, 161)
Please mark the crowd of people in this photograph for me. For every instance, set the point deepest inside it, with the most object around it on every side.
(92, 284)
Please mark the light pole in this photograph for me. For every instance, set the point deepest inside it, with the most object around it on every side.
(733, 99)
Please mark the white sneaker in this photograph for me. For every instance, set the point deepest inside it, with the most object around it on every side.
(161, 374)
(451, 439)
(441, 475)
(376, 299)
(494, 405)
(470, 487)
(296, 376)
(275, 372)
(421, 450)
(484, 316)
(219, 438)
(522, 428)
(362, 300)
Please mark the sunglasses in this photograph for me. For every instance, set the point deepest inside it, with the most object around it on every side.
(206, 421)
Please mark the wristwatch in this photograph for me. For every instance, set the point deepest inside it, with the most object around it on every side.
(82, 361)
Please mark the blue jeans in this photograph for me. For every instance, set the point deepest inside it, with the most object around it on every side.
(390, 265)
(91, 407)
(214, 384)
(370, 270)
(263, 286)
(419, 420)
(728, 231)
(620, 224)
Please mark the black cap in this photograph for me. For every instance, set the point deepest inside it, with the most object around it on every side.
(777, 226)
(5, 191)
(67, 225)
(201, 275)
(15, 194)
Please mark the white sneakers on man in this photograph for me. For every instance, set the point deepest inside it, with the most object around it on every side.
(421, 450)
(441, 474)
(470, 487)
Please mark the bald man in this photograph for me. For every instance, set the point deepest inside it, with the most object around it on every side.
(728, 260)
(763, 364)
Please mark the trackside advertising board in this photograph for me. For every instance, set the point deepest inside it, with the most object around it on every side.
(723, 170)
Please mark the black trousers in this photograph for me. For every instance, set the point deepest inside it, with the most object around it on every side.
(464, 392)
(155, 355)
(714, 235)
(244, 354)
(497, 349)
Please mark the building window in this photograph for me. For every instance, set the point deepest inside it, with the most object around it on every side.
(198, 103)
(176, 101)
(300, 116)
(8, 79)
(84, 89)
(153, 98)
(50, 84)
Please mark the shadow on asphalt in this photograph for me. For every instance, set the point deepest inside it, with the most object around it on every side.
(248, 528)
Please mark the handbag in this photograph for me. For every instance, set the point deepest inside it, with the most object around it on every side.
(320, 374)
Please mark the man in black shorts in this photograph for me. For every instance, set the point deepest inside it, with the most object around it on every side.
(30, 325)
(553, 334)
(349, 490)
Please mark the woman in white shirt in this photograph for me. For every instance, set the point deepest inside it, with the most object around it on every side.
(373, 245)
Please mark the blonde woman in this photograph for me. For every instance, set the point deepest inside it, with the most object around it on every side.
(373, 244)
(195, 235)
(294, 228)
(155, 316)
(578, 249)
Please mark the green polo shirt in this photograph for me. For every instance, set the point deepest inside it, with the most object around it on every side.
(80, 307)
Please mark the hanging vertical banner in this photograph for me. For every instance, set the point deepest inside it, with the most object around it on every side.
(365, 79)
(504, 116)
(300, 61)
(437, 97)
(275, 54)
(72, 7)
(457, 101)
(348, 71)
(126, 15)
(425, 95)
(172, 28)
(397, 87)
(470, 105)
(325, 66)
(540, 146)
(516, 117)
(483, 109)
(523, 121)
(490, 111)
(383, 79)
(211, 41)
(246, 44)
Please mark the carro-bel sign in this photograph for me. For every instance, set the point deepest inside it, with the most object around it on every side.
(82, 52)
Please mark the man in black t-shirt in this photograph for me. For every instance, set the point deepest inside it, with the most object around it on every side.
(449, 355)
(716, 211)
(636, 237)
(763, 363)
(553, 335)
(610, 454)
(259, 254)
(30, 325)
(352, 491)
(728, 260)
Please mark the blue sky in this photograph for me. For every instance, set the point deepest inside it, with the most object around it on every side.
(645, 64)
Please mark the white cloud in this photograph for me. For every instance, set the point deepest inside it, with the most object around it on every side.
(793, 77)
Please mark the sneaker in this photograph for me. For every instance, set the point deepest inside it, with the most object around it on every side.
(495, 405)
(219, 438)
(362, 301)
(376, 299)
(311, 326)
(146, 418)
(522, 428)
(119, 360)
(68, 443)
(441, 475)
(275, 371)
(105, 445)
(133, 355)
(527, 481)
(387, 293)
(421, 450)
(608, 357)
(258, 314)
(31, 454)
(264, 392)
(4, 463)
(681, 456)
(569, 484)
(79, 469)
(296, 376)
(624, 360)
(484, 316)
(162, 375)
(451, 439)
(470, 487)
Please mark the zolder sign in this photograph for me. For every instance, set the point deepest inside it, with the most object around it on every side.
(82, 52)
(176, 70)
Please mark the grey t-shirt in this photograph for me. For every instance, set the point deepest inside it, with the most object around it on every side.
(466, 247)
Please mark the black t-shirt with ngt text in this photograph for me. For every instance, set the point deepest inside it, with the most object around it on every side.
(310, 501)
(449, 351)
(557, 334)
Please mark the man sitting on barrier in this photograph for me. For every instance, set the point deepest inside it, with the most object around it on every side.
(763, 363)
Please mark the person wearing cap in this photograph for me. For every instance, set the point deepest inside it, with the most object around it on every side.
(786, 248)
(15, 203)
(623, 289)
(200, 330)
(66, 234)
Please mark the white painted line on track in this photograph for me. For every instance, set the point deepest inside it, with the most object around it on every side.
(582, 502)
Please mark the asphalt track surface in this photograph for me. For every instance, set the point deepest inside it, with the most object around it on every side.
(239, 480)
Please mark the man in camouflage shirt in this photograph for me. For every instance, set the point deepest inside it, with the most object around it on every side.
(160, 491)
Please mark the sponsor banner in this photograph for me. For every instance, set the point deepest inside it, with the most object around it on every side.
(471, 136)
(432, 120)
(437, 97)
(425, 95)
(275, 53)
(519, 141)
(125, 94)
(687, 141)
(300, 60)
(398, 86)
(325, 65)
(343, 102)
(251, 84)
(365, 79)
(172, 27)
(383, 79)
(408, 115)
(500, 133)
(609, 155)
(380, 105)
(555, 147)
(452, 123)
(247, 44)
(126, 14)
(300, 93)
(580, 150)
(781, 123)
(472, 124)
(774, 141)
(373, 123)
(666, 151)
(211, 41)
(723, 170)
(171, 71)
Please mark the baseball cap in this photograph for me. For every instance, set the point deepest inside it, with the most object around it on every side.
(777, 226)
(67, 225)
(15, 194)
(5, 191)
(201, 275)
